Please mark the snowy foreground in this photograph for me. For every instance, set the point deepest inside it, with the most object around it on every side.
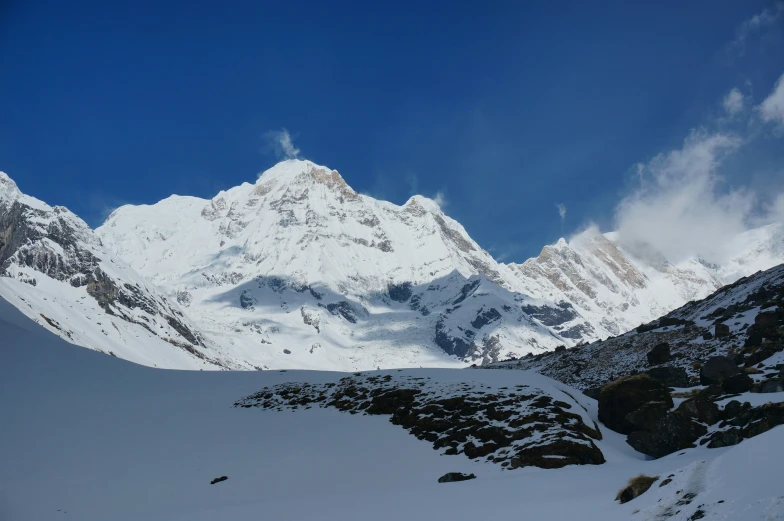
(86, 436)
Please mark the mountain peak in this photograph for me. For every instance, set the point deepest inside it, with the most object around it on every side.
(8, 188)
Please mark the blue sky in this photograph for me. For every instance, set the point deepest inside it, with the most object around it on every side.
(506, 109)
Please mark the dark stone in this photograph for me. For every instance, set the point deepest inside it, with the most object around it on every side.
(763, 419)
(646, 417)
(560, 349)
(621, 397)
(766, 319)
(701, 408)
(592, 392)
(721, 330)
(218, 480)
(669, 376)
(732, 409)
(451, 477)
(485, 317)
(673, 433)
(707, 335)
(400, 292)
(717, 369)
(725, 438)
(769, 386)
(247, 300)
(738, 383)
(551, 316)
(660, 354)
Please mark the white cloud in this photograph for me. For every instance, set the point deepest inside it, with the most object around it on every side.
(281, 144)
(772, 108)
(679, 209)
(766, 18)
(440, 199)
(561, 211)
(733, 102)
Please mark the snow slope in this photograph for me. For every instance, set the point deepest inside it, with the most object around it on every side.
(56, 271)
(92, 437)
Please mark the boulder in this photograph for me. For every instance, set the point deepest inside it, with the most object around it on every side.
(721, 330)
(625, 395)
(701, 408)
(769, 386)
(732, 409)
(725, 438)
(707, 335)
(646, 417)
(451, 477)
(218, 480)
(717, 369)
(738, 383)
(669, 376)
(671, 434)
(766, 319)
(593, 392)
(659, 354)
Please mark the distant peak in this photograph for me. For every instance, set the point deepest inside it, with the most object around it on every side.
(289, 170)
(419, 201)
(8, 188)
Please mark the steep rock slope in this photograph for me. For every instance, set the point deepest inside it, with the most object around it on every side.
(617, 287)
(743, 321)
(54, 269)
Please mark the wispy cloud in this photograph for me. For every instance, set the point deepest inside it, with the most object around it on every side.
(733, 102)
(768, 17)
(280, 143)
(561, 211)
(440, 199)
(679, 208)
(772, 108)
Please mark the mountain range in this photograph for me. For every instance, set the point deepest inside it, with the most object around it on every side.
(298, 270)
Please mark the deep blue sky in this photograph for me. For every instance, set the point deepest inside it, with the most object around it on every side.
(506, 107)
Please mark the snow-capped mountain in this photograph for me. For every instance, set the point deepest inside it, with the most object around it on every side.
(55, 270)
(617, 287)
(298, 270)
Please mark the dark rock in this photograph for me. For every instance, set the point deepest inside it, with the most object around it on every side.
(646, 417)
(669, 376)
(721, 330)
(592, 392)
(637, 487)
(673, 433)
(218, 480)
(626, 395)
(247, 300)
(451, 477)
(769, 386)
(763, 419)
(484, 317)
(766, 319)
(717, 369)
(725, 438)
(551, 316)
(707, 335)
(560, 349)
(738, 383)
(400, 292)
(660, 354)
(701, 408)
(732, 409)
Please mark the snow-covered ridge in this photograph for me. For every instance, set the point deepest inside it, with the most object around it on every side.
(298, 270)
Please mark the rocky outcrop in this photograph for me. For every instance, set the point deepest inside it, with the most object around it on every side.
(669, 376)
(717, 369)
(660, 354)
(451, 477)
(626, 395)
(510, 427)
